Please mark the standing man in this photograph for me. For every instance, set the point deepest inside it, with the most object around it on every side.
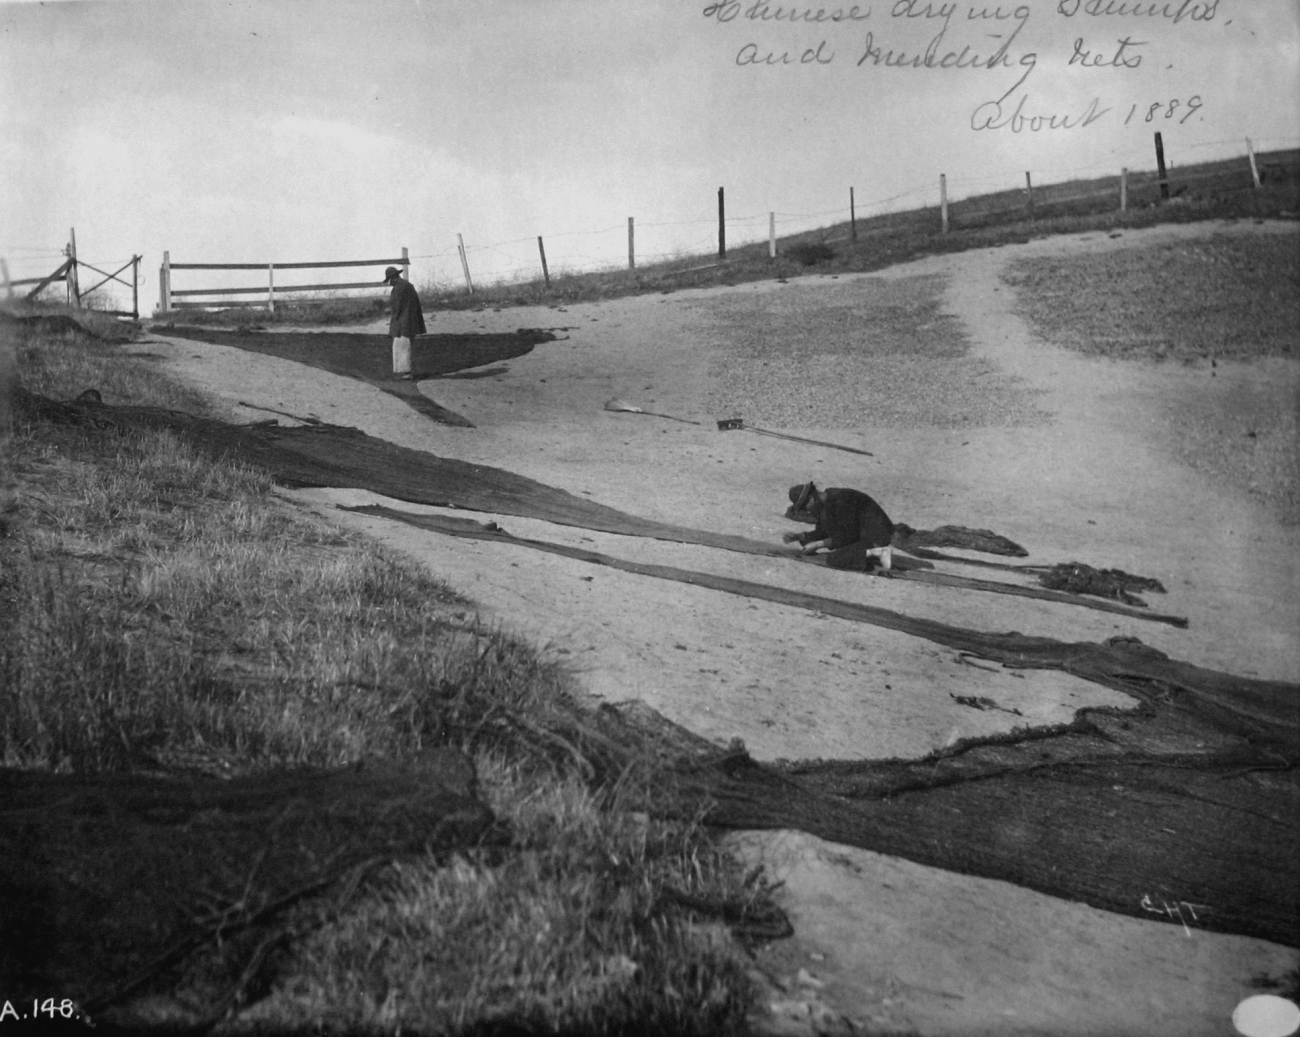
(406, 322)
(852, 526)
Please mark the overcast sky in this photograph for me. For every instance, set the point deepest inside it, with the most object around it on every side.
(302, 130)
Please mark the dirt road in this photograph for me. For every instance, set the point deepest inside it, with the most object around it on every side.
(1072, 457)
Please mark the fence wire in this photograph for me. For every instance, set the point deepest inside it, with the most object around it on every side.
(662, 240)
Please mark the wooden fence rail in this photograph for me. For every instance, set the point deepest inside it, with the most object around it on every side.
(68, 273)
(168, 295)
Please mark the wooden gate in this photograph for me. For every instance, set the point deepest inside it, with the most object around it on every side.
(168, 296)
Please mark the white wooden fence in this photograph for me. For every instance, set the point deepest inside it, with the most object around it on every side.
(168, 296)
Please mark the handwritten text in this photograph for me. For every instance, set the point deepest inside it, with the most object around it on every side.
(1120, 59)
(1203, 11)
(759, 11)
(994, 115)
(969, 41)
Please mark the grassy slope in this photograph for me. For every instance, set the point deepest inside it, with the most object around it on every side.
(1216, 297)
(158, 611)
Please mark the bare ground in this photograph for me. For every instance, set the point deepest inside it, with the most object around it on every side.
(981, 424)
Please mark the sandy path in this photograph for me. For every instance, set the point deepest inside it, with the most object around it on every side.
(1096, 483)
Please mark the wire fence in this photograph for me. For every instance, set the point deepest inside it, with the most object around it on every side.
(618, 246)
(958, 200)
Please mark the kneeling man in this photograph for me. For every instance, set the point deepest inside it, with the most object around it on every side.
(852, 526)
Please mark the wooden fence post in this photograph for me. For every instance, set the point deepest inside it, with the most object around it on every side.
(1123, 189)
(4, 272)
(165, 283)
(546, 274)
(1254, 170)
(1029, 193)
(631, 250)
(943, 200)
(8, 409)
(722, 227)
(74, 287)
(135, 287)
(270, 288)
(1160, 166)
(771, 235)
(464, 262)
(853, 218)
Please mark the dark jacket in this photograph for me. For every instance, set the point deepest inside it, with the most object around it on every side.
(407, 319)
(850, 517)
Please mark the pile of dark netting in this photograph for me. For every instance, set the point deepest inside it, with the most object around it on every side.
(1064, 577)
(1185, 810)
(908, 539)
(1077, 578)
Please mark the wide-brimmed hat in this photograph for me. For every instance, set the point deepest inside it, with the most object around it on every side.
(800, 495)
(391, 273)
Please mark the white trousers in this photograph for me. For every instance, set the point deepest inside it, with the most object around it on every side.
(401, 356)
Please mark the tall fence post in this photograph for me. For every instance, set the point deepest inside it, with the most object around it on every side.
(722, 227)
(8, 411)
(1029, 193)
(406, 264)
(165, 283)
(135, 287)
(73, 285)
(853, 218)
(4, 273)
(631, 244)
(1123, 189)
(943, 200)
(270, 288)
(1160, 166)
(1254, 169)
(464, 262)
(771, 235)
(546, 274)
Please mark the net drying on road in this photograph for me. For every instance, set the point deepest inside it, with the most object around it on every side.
(368, 358)
(1187, 809)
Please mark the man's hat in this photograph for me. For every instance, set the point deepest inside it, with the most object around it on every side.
(800, 495)
(391, 274)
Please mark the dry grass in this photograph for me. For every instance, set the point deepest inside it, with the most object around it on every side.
(567, 933)
(158, 610)
(1216, 297)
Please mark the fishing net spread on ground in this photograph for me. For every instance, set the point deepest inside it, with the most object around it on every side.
(1187, 810)
(112, 885)
(369, 357)
(1151, 814)
(1068, 578)
(332, 455)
